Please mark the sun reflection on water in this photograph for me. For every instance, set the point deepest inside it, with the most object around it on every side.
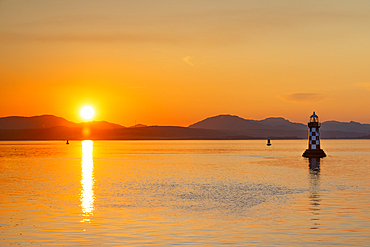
(87, 180)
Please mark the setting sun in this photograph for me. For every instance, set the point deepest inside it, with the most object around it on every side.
(87, 112)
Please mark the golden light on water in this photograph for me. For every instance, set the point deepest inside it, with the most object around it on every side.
(87, 179)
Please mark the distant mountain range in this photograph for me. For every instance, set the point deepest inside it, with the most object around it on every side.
(49, 127)
(280, 127)
(229, 122)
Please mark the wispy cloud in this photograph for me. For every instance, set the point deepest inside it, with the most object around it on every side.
(186, 60)
(365, 85)
(301, 98)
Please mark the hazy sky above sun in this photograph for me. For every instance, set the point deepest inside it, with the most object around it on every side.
(176, 62)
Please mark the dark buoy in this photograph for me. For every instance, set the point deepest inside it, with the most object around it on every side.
(67, 142)
(314, 150)
(268, 142)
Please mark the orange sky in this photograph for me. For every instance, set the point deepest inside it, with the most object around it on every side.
(177, 62)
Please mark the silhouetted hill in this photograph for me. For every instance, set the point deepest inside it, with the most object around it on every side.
(138, 126)
(36, 122)
(281, 123)
(345, 127)
(48, 121)
(267, 128)
(100, 125)
(227, 122)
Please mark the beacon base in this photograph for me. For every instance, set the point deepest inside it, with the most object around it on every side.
(314, 153)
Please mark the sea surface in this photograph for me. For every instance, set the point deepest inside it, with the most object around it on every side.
(187, 193)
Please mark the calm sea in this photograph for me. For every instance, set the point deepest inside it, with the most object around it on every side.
(197, 193)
